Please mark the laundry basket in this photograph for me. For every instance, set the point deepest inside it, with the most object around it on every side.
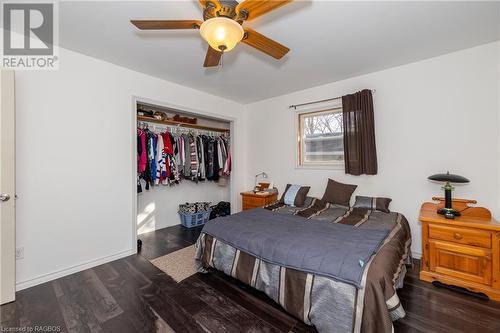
(190, 220)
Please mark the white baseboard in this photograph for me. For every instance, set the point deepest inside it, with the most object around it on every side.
(70, 270)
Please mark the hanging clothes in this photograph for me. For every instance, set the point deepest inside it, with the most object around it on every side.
(141, 151)
(211, 157)
(193, 158)
(152, 155)
(201, 158)
(215, 176)
(168, 158)
(170, 148)
(161, 167)
(187, 156)
(177, 150)
(227, 168)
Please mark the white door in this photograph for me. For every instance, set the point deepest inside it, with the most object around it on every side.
(7, 188)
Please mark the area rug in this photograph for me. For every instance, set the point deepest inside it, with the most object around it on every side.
(179, 264)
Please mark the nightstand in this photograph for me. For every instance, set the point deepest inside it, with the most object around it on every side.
(464, 251)
(259, 199)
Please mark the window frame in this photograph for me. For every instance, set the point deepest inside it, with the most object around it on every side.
(298, 144)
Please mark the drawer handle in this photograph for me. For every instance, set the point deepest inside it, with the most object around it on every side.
(456, 235)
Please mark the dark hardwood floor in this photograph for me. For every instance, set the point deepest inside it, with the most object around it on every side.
(131, 295)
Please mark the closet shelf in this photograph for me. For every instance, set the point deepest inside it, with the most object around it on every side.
(177, 123)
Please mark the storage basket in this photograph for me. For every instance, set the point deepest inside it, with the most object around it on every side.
(194, 207)
(190, 220)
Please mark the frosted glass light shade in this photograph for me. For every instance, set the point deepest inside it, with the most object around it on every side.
(221, 33)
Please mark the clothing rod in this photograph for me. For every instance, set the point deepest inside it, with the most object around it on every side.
(174, 123)
(295, 106)
(180, 129)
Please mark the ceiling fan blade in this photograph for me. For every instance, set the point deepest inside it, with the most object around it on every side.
(264, 44)
(256, 8)
(212, 58)
(205, 3)
(166, 24)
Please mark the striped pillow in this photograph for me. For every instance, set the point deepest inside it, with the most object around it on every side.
(294, 195)
(373, 203)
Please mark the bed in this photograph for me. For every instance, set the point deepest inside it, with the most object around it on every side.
(333, 267)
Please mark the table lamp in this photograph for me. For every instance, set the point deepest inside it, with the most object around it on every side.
(448, 178)
(264, 175)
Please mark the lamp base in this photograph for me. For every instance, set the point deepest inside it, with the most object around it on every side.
(448, 213)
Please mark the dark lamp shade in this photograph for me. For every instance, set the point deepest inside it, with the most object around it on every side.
(448, 177)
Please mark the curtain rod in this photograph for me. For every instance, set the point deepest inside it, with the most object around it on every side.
(295, 106)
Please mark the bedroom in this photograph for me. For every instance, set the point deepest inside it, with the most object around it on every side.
(70, 228)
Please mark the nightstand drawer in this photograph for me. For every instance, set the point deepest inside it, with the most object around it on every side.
(472, 237)
(460, 261)
(255, 202)
(252, 200)
(250, 206)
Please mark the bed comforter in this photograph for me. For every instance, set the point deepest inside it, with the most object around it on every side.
(330, 266)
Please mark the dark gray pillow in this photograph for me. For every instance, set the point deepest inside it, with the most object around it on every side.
(338, 193)
(373, 203)
(300, 197)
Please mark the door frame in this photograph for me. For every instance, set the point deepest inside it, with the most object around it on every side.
(233, 130)
(8, 186)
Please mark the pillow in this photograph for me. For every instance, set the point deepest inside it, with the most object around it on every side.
(373, 203)
(294, 195)
(338, 193)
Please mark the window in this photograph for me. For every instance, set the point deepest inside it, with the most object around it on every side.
(320, 138)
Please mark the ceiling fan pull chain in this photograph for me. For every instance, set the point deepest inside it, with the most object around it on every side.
(221, 63)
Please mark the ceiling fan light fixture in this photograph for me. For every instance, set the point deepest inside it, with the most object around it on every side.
(222, 33)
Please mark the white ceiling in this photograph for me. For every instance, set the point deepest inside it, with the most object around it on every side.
(329, 41)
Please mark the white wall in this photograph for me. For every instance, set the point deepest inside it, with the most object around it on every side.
(498, 96)
(75, 134)
(431, 116)
(157, 208)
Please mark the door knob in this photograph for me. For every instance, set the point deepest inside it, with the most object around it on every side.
(4, 197)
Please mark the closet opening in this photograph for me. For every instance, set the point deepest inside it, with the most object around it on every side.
(182, 156)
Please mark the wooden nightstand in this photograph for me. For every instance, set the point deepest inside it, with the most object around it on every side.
(464, 252)
(260, 199)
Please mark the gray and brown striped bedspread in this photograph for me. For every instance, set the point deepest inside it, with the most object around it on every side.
(285, 240)
(330, 304)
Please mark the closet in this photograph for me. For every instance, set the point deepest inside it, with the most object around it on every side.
(181, 157)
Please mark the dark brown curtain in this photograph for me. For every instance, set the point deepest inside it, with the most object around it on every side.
(360, 154)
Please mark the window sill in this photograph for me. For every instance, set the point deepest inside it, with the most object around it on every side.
(336, 166)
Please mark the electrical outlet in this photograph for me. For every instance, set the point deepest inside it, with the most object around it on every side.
(20, 253)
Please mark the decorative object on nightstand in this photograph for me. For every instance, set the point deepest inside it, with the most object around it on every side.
(256, 187)
(263, 186)
(448, 178)
(464, 252)
(252, 199)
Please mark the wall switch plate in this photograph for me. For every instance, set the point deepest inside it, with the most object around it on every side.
(20, 253)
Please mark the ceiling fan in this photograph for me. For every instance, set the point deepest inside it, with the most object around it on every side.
(222, 27)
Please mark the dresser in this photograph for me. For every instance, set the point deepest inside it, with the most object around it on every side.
(464, 251)
(251, 200)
